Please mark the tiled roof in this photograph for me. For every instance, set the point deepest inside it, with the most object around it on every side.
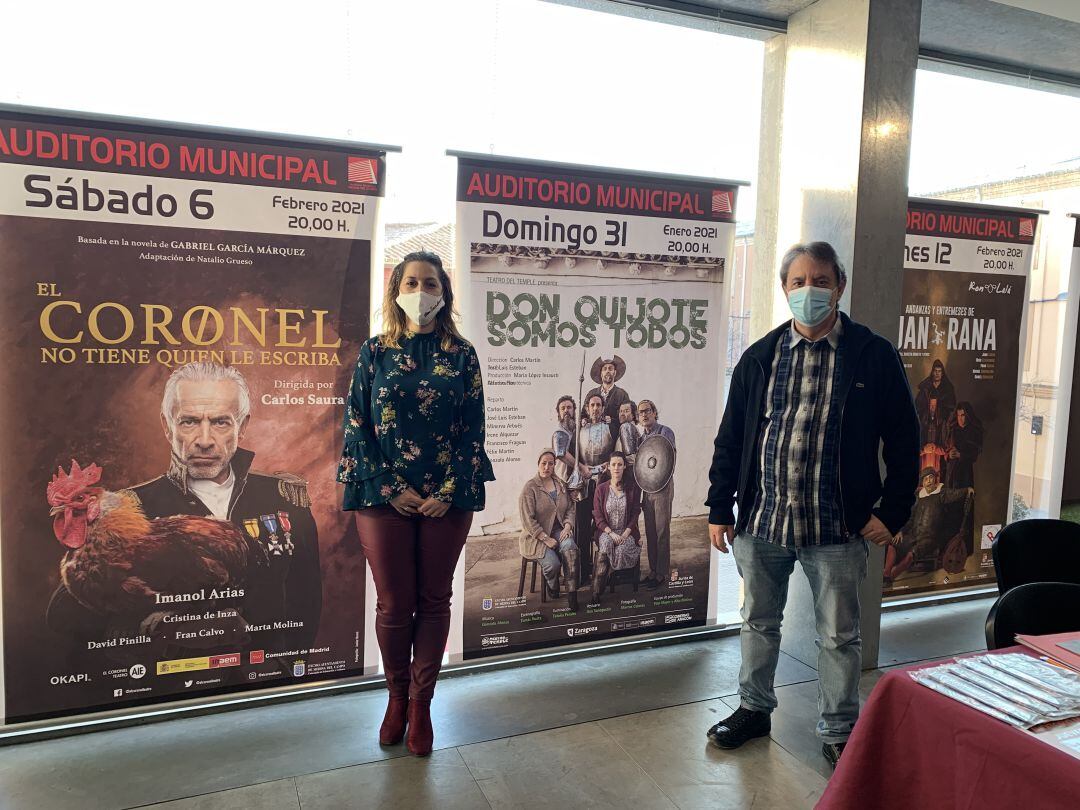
(397, 231)
(433, 236)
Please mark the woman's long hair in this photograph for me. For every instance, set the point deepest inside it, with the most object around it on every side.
(395, 324)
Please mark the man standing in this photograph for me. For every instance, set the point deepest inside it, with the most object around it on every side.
(606, 372)
(595, 443)
(809, 406)
(656, 506)
(564, 441)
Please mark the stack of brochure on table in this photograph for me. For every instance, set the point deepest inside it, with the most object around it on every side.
(1015, 688)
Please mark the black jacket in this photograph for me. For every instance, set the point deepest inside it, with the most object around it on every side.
(876, 409)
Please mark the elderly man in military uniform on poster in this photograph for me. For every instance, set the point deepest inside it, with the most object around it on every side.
(205, 412)
(606, 372)
(654, 471)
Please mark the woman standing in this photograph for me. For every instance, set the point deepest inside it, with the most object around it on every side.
(547, 527)
(414, 468)
(616, 507)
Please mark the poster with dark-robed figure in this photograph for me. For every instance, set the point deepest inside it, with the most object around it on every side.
(965, 280)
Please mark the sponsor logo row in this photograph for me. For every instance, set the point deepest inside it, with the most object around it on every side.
(503, 640)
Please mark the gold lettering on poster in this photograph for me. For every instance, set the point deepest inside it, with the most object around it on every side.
(207, 328)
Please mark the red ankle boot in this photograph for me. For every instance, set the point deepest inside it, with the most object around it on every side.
(421, 736)
(393, 725)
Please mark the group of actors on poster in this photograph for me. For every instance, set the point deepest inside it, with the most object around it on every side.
(580, 512)
(940, 532)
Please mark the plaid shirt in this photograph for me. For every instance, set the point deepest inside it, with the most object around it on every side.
(798, 500)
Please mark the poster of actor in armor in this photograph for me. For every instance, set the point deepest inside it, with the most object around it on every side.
(594, 299)
(965, 278)
(178, 345)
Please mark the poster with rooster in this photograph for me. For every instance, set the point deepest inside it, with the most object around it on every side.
(181, 310)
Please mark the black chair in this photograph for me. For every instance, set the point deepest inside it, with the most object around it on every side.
(1035, 609)
(1040, 550)
(544, 592)
(624, 576)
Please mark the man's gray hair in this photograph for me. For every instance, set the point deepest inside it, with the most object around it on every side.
(211, 372)
(818, 251)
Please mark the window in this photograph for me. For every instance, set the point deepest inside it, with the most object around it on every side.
(983, 141)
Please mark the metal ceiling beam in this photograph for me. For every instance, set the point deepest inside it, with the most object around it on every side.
(706, 12)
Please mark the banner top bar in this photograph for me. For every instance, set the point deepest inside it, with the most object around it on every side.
(175, 127)
(1001, 209)
(554, 164)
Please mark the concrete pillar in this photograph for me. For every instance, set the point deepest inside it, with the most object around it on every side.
(838, 94)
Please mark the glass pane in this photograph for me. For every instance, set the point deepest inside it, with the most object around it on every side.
(981, 141)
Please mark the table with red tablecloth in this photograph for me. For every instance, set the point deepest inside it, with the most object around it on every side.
(914, 748)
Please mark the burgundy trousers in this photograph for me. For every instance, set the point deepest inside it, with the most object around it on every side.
(412, 561)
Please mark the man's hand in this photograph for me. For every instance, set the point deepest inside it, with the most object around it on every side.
(550, 542)
(722, 537)
(876, 532)
(567, 533)
(433, 508)
(408, 502)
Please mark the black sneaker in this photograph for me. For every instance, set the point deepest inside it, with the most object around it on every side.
(833, 751)
(733, 731)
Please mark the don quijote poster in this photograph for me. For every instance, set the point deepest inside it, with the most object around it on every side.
(596, 304)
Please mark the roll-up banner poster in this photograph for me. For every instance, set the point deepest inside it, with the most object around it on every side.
(595, 299)
(1065, 483)
(181, 310)
(961, 338)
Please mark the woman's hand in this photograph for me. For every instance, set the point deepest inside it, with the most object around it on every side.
(408, 502)
(434, 508)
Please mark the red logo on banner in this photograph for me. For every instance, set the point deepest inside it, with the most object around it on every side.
(257, 656)
(230, 660)
(721, 202)
(363, 170)
(1027, 227)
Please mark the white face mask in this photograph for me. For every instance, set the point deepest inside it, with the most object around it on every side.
(421, 307)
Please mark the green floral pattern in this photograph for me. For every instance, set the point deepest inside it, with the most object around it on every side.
(415, 418)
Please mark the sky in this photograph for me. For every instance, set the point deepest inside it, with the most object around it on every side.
(512, 77)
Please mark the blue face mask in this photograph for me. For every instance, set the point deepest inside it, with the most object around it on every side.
(810, 306)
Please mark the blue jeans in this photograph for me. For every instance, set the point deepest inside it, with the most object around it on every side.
(834, 573)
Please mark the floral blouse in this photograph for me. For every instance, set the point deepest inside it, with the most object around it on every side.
(415, 418)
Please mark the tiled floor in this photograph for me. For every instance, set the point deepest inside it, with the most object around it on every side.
(623, 729)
